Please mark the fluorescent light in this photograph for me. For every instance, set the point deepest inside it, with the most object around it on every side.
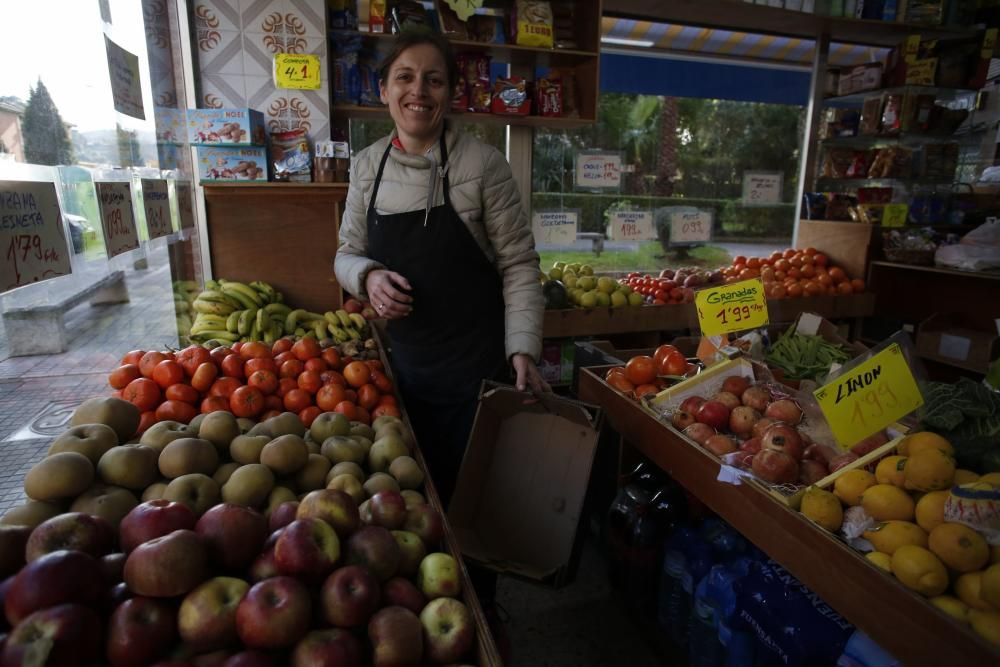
(627, 42)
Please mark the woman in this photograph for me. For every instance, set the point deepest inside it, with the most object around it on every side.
(435, 237)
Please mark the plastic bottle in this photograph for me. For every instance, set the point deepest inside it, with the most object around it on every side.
(862, 651)
(637, 488)
(698, 561)
(704, 647)
(737, 645)
(672, 608)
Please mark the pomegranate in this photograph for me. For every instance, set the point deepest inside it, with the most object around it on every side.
(742, 420)
(699, 432)
(714, 414)
(756, 397)
(841, 460)
(822, 453)
(692, 403)
(775, 467)
(870, 444)
(751, 446)
(667, 273)
(745, 459)
(736, 384)
(784, 438)
(720, 445)
(681, 420)
(762, 425)
(784, 411)
(727, 399)
(811, 472)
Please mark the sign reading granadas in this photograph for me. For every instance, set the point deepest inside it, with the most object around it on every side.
(733, 307)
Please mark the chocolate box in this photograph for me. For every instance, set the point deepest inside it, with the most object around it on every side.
(232, 163)
(226, 127)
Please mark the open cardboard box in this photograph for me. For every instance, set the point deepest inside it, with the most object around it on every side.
(519, 497)
(954, 340)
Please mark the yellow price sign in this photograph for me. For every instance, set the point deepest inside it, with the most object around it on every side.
(894, 215)
(911, 48)
(298, 71)
(869, 397)
(464, 8)
(733, 307)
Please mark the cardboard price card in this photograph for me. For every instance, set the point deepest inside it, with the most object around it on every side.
(690, 227)
(632, 226)
(297, 71)
(117, 217)
(554, 227)
(156, 204)
(31, 234)
(733, 307)
(869, 397)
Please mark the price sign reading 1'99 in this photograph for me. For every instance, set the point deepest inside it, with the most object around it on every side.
(734, 307)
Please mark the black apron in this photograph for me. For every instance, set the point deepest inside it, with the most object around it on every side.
(454, 336)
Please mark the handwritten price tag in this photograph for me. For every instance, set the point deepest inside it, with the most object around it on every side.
(299, 71)
(554, 227)
(185, 204)
(733, 307)
(31, 234)
(464, 8)
(156, 204)
(690, 227)
(869, 397)
(632, 226)
(117, 217)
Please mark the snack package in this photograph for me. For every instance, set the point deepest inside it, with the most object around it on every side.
(291, 155)
(343, 14)
(836, 162)
(548, 97)
(377, 16)
(367, 80)
(487, 29)
(407, 15)
(473, 92)
(532, 23)
(858, 168)
(451, 25)
(346, 86)
(510, 96)
(891, 114)
(871, 116)
(563, 24)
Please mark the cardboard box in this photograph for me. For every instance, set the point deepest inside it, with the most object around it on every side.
(519, 498)
(951, 339)
(232, 163)
(226, 127)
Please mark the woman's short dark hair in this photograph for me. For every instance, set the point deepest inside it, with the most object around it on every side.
(415, 38)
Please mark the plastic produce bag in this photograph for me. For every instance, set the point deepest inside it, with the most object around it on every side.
(979, 250)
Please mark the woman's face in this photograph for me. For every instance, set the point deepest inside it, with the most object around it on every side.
(417, 92)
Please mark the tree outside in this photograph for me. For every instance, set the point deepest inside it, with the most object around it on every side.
(46, 140)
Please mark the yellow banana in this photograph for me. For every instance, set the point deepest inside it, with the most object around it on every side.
(241, 298)
(319, 327)
(212, 284)
(218, 297)
(265, 290)
(235, 288)
(344, 317)
(359, 321)
(254, 334)
(212, 307)
(220, 335)
(354, 335)
(339, 335)
(247, 319)
(277, 309)
(300, 332)
(292, 319)
(210, 321)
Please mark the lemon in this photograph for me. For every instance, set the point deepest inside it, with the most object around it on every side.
(930, 509)
(968, 588)
(885, 502)
(990, 478)
(959, 547)
(990, 585)
(963, 476)
(882, 561)
(986, 625)
(888, 536)
(822, 507)
(952, 606)
(851, 485)
(929, 470)
(890, 470)
(920, 570)
(918, 442)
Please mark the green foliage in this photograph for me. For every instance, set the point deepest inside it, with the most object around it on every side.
(45, 137)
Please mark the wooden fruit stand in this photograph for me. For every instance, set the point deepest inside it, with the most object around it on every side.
(902, 622)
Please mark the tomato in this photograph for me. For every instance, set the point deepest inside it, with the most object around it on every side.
(149, 361)
(132, 357)
(204, 376)
(232, 366)
(858, 285)
(291, 369)
(811, 289)
(820, 259)
(309, 414)
(662, 351)
(789, 253)
(237, 346)
(224, 387)
(621, 383)
(329, 395)
(285, 385)
(117, 393)
(837, 274)
(167, 373)
(779, 292)
(191, 357)
(143, 393)
(640, 369)
(660, 294)
(214, 404)
(310, 381)
(348, 409)
(332, 377)
(281, 345)
(381, 382)
(283, 357)
(316, 364)
(297, 400)
(844, 288)
(795, 290)
(391, 410)
(387, 399)
(146, 419)
(357, 373)
(306, 348)
(645, 389)
(273, 402)
(265, 381)
(375, 365)
(255, 350)
(121, 376)
(674, 364)
(247, 401)
(217, 354)
(182, 392)
(331, 356)
(739, 259)
(808, 271)
(368, 396)
(260, 364)
(362, 415)
(177, 411)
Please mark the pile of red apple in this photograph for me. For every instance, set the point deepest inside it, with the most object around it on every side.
(755, 425)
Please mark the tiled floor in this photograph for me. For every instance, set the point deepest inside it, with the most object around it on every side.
(581, 624)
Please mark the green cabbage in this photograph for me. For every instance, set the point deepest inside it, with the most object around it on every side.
(967, 413)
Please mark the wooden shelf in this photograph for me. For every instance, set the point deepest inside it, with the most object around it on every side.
(902, 622)
(274, 187)
(382, 113)
(507, 53)
(744, 17)
(859, 97)
(972, 275)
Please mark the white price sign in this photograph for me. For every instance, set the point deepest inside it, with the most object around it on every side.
(31, 234)
(156, 204)
(555, 227)
(185, 203)
(762, 188)
(690, 227)
(117, 217)
(632, 226)
(597, 171)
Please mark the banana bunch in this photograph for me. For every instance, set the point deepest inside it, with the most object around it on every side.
(185, 292)
(344, 326)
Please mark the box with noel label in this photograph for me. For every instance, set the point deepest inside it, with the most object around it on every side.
(232, 163)
(226, 127)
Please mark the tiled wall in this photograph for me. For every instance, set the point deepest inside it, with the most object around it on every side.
(236, 42)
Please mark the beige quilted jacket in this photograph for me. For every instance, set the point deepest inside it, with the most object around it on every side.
(484, 195)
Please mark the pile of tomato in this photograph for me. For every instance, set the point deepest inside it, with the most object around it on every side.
(253, 380)
(643, 374)
(794, 273)
(658, 291)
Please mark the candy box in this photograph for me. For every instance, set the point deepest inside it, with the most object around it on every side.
(227, 127)
(232, 163)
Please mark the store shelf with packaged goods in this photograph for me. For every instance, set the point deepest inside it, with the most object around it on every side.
(746, 17)
(382, 113)
(903, 623)
(858, 98)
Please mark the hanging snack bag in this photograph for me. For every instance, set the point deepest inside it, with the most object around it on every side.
(510, 96)
(377, 16)
(532, 21)
(451, 25)
(407, 15)
(487, 28)
(548, 97)
(891, 114)
(474, 72)
(291, 155)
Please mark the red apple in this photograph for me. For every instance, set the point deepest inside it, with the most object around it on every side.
(756, 397)
(388, 509)
(74, 531)
(784, 410)
(439, 576)
(151, 519)
(332, 506)
(353, 306)
(449, 631)
(264, 566)
(785, 439)
(53, 579)
(870, 444)
(736, 384)
(206, 619)
(775, 466)
(822, 453)
(403, 593)
(167, 566)
(307, 547)
(274, 613)
(681, 420)
(332, 647)
(140, 631)
(113, 567)
(411, 551)
(114, 596)
(234, 535)
(349, 597)
(369, 313)
(375, 548)
(714, 414)
(426, 523)
(397, 638)
(691, 404)
(282, 515)
(249, 659)
(742, 420)
(62, 636)
(12, 542)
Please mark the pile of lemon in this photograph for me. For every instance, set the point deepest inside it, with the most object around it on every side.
(950, 563)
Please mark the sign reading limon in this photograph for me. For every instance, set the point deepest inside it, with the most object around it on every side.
(733, 307)
(869, 397)
(295, 70)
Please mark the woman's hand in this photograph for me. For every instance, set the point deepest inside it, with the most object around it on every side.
(527, 375)
(383, 289)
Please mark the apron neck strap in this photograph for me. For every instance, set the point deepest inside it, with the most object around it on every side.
(385, 158)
